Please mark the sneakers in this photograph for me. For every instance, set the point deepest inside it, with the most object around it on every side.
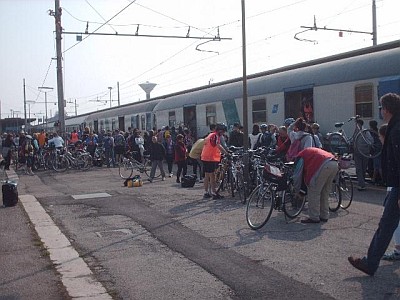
(163, 179)
(206, 196)
(171, 174)
(217, 196)
(150, 180)
(392, 256)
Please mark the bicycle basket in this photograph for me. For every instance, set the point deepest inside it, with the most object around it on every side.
(273, 174)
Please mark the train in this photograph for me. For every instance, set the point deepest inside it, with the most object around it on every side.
(325, 90)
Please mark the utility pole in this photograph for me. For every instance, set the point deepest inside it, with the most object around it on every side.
(245, 100)
(110, 88)
(45, 88)
(119, 99)
(25, 123)
(374, 31)
(60, 88)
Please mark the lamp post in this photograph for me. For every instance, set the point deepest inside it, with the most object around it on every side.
(45, 89)
(110, 88)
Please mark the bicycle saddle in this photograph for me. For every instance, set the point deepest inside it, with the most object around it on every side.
(339, 124)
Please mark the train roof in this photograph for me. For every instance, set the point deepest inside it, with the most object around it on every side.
(372, 62)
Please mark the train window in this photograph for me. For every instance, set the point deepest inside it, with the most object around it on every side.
(364, 100)
(143, 122)
(113, 124)
(171, 118)
(102, 124)
(211, 115)
(259, 111)
(107, 124)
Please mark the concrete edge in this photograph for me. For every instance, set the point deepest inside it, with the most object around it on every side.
(76, 276)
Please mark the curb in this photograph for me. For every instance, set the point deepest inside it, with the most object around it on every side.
(76, 276)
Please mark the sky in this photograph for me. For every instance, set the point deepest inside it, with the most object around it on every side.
(98, 62)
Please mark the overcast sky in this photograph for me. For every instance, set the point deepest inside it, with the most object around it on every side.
(99, 61)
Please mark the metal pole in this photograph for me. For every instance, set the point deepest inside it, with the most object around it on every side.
(119, 103)
(245, 113)
(374, 30)
(110, 88)
(60, 87)
(25, 123)
(45, 107)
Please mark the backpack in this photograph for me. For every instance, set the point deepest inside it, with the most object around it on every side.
(294, 149)
(119, 140)
(107, 143)
(264, 139)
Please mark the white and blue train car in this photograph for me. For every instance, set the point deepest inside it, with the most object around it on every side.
(136, 115)
(325, 90)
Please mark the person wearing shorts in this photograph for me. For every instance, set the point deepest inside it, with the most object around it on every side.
(211, 156)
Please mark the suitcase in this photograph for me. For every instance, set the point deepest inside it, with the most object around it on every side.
(188, 181)
(10, 194)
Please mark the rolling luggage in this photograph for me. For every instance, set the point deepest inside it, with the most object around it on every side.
(10, 194)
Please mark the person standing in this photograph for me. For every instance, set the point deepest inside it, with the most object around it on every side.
(195, 155)
(180, 157)
(7, 144)
(108, 145)
(254, 137)
(236, 136)
(390, 109)
(211, 156)
(169, 146)
(316, 168)
(157, 155)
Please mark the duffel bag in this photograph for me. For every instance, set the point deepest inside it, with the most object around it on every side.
(188, 181)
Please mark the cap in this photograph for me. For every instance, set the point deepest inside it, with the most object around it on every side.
(288, 121)
(263, 126)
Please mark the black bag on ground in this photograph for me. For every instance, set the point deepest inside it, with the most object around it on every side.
(188, 181)
(10, 194)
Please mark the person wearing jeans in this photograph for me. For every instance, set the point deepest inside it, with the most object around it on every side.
(390, 109)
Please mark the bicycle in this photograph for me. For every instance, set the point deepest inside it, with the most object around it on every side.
(229, 176)
(129, 163)
(341, 195)
(275, 192)
(365, 141)
(65, 160)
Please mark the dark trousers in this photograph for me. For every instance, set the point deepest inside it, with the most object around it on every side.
(182, 168)
(170, 162)
(197, 164)
(383, 235)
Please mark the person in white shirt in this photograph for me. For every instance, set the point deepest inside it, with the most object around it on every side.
(57, 141)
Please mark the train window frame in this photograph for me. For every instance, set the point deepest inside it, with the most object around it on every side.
(171, 118)
(211, 114)
(142, 122)
(259, 115)
(364, 100)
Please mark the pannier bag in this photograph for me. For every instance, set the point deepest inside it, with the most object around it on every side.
(188, 181)
(10, 193)
(273, 174)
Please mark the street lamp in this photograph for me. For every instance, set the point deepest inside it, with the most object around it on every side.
(110, 88)
(45, 89)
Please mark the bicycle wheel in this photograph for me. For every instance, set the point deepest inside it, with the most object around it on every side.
(368, 144)
(125, 169)
(292, 206)
(60, 163)
(259, 207)
(147, 169)
(240, 187)
(334, 196)
(223, 185)
(337, 143)
(345, 187)
(84, 162)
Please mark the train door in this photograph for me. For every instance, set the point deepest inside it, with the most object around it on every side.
(300, 103)
(96, 126)
(388, 85)
(121, 123)
(148, 121)
(189, 119)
